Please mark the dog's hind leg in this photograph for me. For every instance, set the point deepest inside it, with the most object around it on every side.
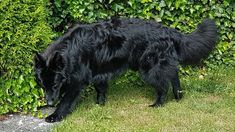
(101, 89)
(178, 93)
(161, 93)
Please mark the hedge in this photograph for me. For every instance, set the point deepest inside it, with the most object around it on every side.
(183, 15)
(25, 30)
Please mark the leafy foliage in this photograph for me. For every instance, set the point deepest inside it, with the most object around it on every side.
(180, 14)
(23, 31)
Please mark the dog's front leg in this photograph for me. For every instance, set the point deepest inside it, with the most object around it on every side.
(66, 106)
(101, 89)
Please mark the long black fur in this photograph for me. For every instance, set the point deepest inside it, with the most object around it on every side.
(94, 53)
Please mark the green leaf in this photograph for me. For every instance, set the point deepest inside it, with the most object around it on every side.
(145, 1)
(177, 4)
(21, 79)
(162, 4)
(32, 83)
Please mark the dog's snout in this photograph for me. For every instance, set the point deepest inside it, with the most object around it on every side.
(50, 103)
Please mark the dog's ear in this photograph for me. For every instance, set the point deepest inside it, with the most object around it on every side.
(115, 21)
(57, 62)
(39, 61)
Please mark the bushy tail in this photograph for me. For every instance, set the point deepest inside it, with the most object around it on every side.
(198, 44)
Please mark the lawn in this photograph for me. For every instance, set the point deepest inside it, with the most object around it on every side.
(208, 105)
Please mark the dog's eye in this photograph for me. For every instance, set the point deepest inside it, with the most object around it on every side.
(54, 87)
(150, 57)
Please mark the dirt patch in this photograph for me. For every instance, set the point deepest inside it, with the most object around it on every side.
(3, 117)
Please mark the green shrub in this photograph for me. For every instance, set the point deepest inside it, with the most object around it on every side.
(180, 14)
(23, 31)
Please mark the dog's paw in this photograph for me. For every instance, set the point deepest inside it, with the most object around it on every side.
(155, 105)
(179, 95)
(53, 118)
(101, 100)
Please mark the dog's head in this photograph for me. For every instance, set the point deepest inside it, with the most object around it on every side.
(50, 75)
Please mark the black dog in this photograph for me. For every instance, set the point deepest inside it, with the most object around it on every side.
(96, 52)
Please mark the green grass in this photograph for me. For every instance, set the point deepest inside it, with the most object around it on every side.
(208, 105)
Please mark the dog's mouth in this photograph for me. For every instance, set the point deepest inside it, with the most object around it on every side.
(55, 101)
(52, 100)
(52, 103)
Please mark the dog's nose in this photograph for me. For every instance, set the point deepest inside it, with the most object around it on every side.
(50, 103)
